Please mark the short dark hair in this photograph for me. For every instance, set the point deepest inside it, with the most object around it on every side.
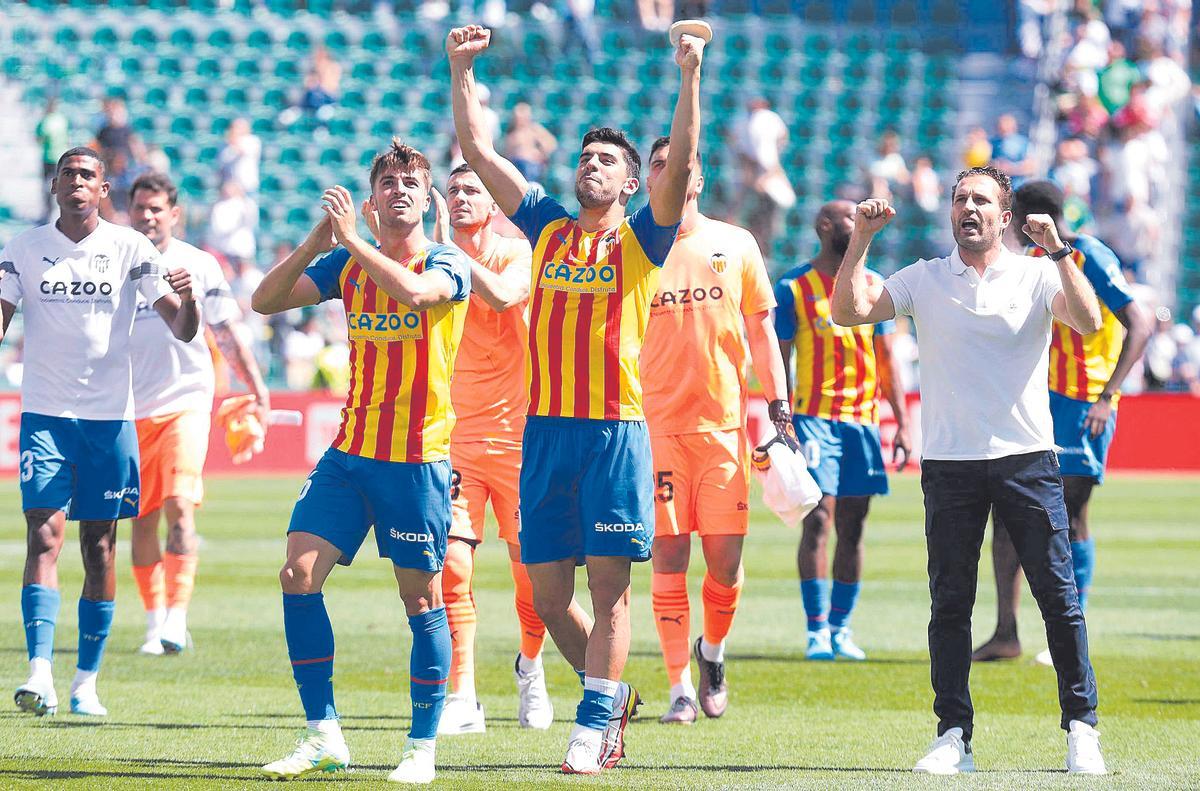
(80, 151)
(401, 157)
(1039, 197)
(156, 182)
(665, 141)
(463, 168)
(606, 134)
(1002, 179)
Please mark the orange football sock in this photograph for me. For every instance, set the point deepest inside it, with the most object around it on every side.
(460, 613)
(181, 578)
(720, 603)
(150, 585)
(533, 631)
(672, 616)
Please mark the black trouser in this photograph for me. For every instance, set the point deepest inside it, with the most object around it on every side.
(1027, 494)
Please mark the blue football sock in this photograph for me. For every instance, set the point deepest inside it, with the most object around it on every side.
(815, 594)
(309, 637)
(597, 704)
(841, 603)
(429, 669)
(1083, 558)
(39, 610)
(95, 621)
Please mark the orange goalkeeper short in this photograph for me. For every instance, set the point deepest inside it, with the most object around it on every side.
(702, 483)
(482, 471)
(173, 449)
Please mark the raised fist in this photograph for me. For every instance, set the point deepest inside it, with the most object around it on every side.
(1044, 233)
(872, 214)
(690, 52)
(467, 42)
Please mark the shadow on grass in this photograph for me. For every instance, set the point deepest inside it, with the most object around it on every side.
(1165, 637)
(797, 658)
(1169, 701)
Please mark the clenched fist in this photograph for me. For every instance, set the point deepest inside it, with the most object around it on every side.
(872, 214)
(466, 42)
(1044, 233)
(690, 52)
(180, 282)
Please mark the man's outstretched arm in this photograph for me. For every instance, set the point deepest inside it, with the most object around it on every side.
(501, 177)
(854, 301)
(668, 199)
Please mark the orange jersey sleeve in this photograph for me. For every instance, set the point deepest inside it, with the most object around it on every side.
(694, 361)
(489, 391)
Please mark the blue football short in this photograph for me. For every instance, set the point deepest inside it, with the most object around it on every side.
(587, 490)
(86, 468)
(845, 459)
(1080, 454)
(407, 504)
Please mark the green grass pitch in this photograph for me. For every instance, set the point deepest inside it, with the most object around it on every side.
(209, 718)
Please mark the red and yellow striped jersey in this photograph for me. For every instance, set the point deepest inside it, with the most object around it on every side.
(589, 306)
(836, 373)
(398, 406)
(1081, 365)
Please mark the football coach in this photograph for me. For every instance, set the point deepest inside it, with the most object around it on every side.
(983, 317)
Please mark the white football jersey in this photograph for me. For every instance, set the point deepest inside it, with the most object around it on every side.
(168, 374)
(78, 301)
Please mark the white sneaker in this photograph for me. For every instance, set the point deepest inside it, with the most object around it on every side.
(315, 752)
(844, 647)
(1083, 750)
(416, 763)
(1044, 658)
(460, 715)
(174, 634)
(152, 647)
(583, 752)
(87, 703)
(948, 755)
(37, 696)
(534, 709)
(819, 647)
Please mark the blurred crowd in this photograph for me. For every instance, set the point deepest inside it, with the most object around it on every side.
(1120, 82)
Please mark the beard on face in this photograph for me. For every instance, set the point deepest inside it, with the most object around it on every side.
(839, 242)
(593, 196)
(988, 234)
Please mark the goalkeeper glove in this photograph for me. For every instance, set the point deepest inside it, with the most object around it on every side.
(780, 414)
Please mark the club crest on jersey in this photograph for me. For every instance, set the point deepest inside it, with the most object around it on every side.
(100, 263)
(385, 327)
(578, 278)
(717, 263)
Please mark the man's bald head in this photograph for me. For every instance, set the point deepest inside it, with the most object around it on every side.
(834, 224)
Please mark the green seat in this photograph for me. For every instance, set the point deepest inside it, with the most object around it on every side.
(287, 69)
(170, 68)
(236, 98)
(247, 68)
(221, 39)
(330, 157)
(262, 126)
(183, 38)
(191, 185)
(365, 71)
(298, 40)
(104, 37)
(290, 155)
(375, 41)
(259, 39)
(144, 38)
(336, 40)
(66, 38)
(183, 126)
(208, 68)
(156, 97)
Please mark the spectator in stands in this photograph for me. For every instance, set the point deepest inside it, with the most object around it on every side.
(322, 85)
(300, 350)
(1161, 352)
(239, 158)
(926, 187)
(1010, 150)
(232, 222)
(1088, 56)
(1074, 169)
(53, 136)
(887, 171)
(759, 139)
(977, 150)
(528, 144)
(115, 135)
(1031, 24)
(1168, 81)
(1117, 78)
(1087, 117)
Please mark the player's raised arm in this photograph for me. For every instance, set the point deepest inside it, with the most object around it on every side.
(180, 310)
(501, 177)
(1076, 306)
(668, 199)
(417, 290)
(854, 301)
(283, 288)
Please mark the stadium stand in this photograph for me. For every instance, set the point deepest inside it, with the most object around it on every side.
(186, 74)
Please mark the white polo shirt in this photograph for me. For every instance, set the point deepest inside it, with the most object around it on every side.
(984, 353)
